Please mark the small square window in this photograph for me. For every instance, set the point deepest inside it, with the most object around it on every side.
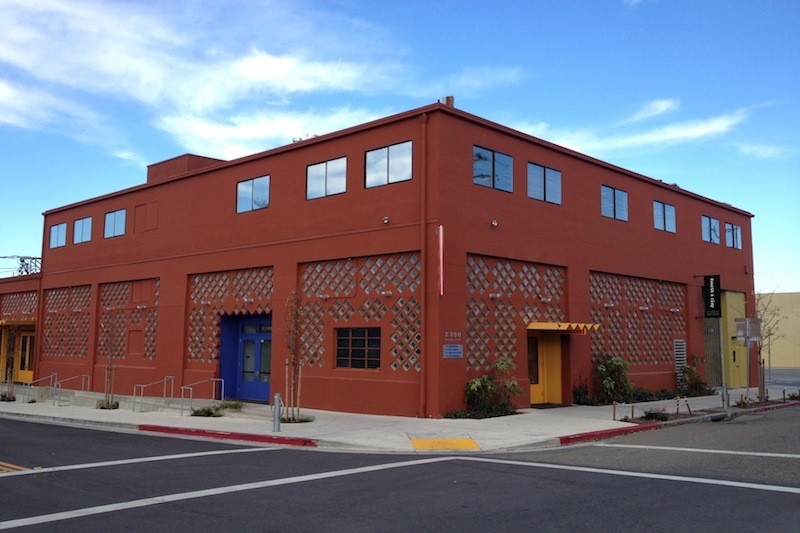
(664, 217)
(544, 183)
(358, 348)
(733, 236)
(391, 164)
(252, 194)
(326, 179)
(82, 231)
(58, 235)
(710, 229)
(115, 224)
(492, 169)
(614, 203)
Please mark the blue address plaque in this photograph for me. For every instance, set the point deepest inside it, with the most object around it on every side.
(453, 351)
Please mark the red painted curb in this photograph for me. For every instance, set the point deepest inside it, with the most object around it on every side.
(226, 435)
(788, 403)
(605, 433)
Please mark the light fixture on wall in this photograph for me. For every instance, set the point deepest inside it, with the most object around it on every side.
(675, 310)
(140, 307)
(248, 300)
(644, 308)
(609, 304)
(205, 302)
(545, 299)
(323, 296)
(385, 220)
(385, 293)
(495, 295)
(495, 223)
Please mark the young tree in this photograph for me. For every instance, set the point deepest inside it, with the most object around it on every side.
(295, 310)
(771, 316)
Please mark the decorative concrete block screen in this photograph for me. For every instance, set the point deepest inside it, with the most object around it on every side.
(377, 290)
(504, 296)
(640, 318)
(236, 292)
(128, 319)
(67, 314)
(19, 306)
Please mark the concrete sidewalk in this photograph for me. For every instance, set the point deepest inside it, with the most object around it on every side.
(531, 428)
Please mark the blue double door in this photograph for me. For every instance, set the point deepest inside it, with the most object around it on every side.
(246, 356)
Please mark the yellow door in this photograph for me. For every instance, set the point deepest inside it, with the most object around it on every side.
(535, 371)
(3, 347)
(736, 360)
(23, 357)
(544, 368)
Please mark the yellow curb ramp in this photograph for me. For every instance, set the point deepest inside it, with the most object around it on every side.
(445, 444)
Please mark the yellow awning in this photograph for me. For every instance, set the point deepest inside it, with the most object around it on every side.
(573, 328)
(5, 322)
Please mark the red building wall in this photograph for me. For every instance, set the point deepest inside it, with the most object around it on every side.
(417, 258)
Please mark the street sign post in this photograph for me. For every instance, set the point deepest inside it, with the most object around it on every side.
(748, 330)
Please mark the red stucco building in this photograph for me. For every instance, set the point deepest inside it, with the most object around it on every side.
(421, 246)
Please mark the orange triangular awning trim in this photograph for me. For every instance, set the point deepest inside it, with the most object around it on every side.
(565, 327)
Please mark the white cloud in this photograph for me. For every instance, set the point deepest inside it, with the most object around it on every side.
(476, 79)
(594, 142)
(654, 109)
(27, 107)
(761, 151)
(194, 73)
(242, 135)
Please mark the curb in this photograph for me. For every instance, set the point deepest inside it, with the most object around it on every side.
(789, 403)
(79, 422)
(605, 433)
(227, 435)
(711, 417)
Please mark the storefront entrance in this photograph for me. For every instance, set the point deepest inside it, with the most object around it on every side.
(246, 356)
(544, 368)
(16, 353)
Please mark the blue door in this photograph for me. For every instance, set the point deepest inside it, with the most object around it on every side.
(255, 358)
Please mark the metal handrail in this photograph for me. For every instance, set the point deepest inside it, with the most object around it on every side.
(28, 387)
(86, 384)
(191, 391)
(140, 388)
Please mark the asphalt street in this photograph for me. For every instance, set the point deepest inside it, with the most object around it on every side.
(741, 475)
(788, 378)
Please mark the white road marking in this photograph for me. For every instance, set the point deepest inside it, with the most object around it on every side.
(645, 475)
(168, 498)
(145, 502)
(131, 461)
(702, 450)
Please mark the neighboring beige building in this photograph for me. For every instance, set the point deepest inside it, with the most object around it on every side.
(783, 350)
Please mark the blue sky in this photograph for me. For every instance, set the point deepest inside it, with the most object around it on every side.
(702, 93)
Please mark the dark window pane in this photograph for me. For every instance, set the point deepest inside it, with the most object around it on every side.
(482, 166)
(607, 201)
(535, 182)
(553, 186)
(503, 172)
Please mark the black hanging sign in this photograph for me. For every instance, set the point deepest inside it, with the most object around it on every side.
(713, 297)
